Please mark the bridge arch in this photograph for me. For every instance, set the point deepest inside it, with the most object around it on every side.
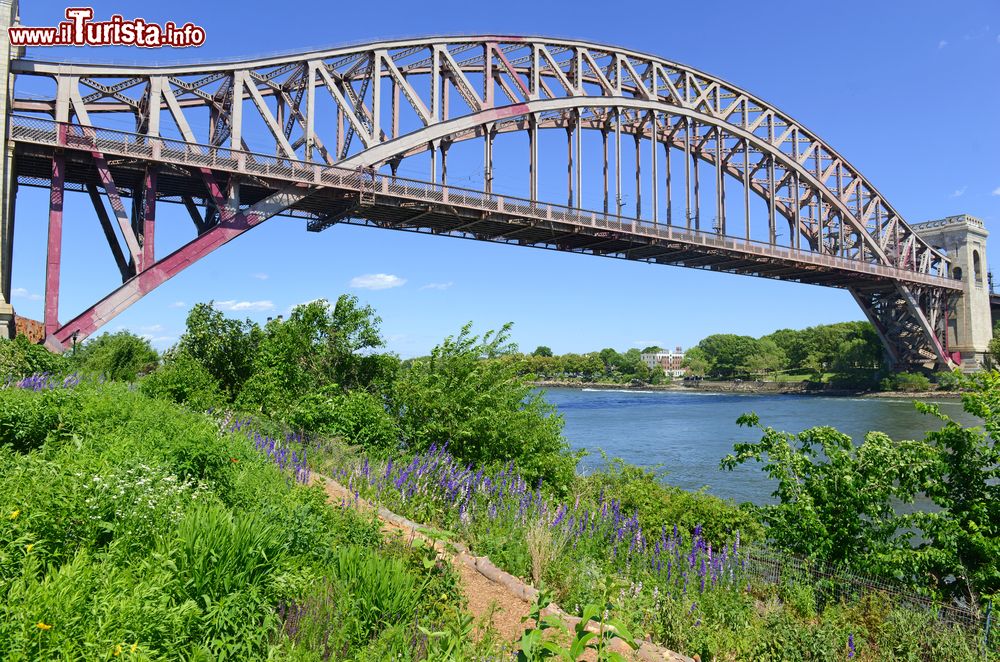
(376, 104)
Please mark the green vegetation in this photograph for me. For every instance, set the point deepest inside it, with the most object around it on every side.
(607, 365)
(138, 524)
(847, 354)
(133, 528)
(837, 500)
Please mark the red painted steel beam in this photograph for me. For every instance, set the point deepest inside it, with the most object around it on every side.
(155, 274)
(53, 259)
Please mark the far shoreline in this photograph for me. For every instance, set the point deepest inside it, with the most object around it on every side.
(747, 387)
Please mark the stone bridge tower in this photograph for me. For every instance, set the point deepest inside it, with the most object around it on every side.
(970, 326)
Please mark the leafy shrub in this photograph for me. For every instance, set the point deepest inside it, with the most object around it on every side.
(27, 419)
(358, 417)
(482, 410)
(121, 356)
(909, 382)
(106, 551)
(19, 358)
(225, 348)
(183, 380)
(319, 345)
(657, 504)
(951, 381)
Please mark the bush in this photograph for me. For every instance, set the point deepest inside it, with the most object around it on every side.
(121, 356)
(640, 490)
(358, 417)
(951, 381)
(20, 358)
(183, 380)
(469, 397)
(908, 382)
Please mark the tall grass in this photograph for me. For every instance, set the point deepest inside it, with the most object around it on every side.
(130, 527)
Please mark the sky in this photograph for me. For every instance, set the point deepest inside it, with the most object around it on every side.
(907, 93)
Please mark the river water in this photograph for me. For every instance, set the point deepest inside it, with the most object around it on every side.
(687, 433)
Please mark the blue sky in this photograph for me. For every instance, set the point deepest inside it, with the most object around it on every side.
(908, 95)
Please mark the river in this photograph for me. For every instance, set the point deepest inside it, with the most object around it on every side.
(687, 433)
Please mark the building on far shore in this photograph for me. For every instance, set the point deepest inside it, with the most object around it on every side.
(669, 362)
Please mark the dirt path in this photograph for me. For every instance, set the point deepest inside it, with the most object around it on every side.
(490, 593)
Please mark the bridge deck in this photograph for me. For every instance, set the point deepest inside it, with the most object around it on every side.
(349, 196)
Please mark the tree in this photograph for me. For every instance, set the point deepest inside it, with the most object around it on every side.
(610, 358)
(121, 356)
(836, 500)
(183, 380)
(225, 347)
(542, 350)
(481, 409)
(727, 354)
(769, 358)
(994, 347)
(652, 349)
(318, 345)
(695, 361)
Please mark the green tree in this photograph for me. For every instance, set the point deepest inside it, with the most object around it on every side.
(994, 347)
(836, 501)
(225, 347)
(611, 360)
(728, 354)
(318, 345)
(183, 380)
(120, 356)
(696, 361)
(466, 397)
(542, 350)
(964, 535)
(652, 349)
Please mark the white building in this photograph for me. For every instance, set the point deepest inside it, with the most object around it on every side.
(669, 362)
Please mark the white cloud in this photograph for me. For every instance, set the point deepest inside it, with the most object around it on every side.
(160, 342)
(240, 306)
(152, 328)
(22, 293)
(178, 304)
(942, 44)
(996, 191)
(958, 193)
(261, 276)
(437, 286)
(377, 281)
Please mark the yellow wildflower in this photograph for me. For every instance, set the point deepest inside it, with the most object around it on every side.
(14, 514)
(30, 545)
(41, 625)
(118, 650)
(133, 648)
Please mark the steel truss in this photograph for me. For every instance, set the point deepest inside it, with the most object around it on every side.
(198, 134)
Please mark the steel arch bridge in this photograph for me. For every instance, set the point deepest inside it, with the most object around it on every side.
(680, 167)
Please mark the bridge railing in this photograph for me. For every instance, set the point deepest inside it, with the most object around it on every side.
(75, 136)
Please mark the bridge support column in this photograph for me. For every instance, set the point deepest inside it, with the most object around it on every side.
(8, 183)
(969, 326)
(53, 263)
